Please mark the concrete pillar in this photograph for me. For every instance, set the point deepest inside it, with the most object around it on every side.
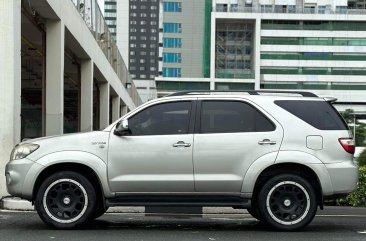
(213, 52)
(10, 81)
(257, 53)
(55, 43)
(116, 103)
(124, 110)
(86, 108)
(104, 105)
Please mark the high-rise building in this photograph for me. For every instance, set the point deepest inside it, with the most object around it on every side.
(185, 45)
(110, 15)
(138, 37)
(291, 44)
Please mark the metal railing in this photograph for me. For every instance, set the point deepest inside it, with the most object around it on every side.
(93, 17)
(262, 9)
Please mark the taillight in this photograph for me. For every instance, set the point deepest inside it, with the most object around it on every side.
(348, 144)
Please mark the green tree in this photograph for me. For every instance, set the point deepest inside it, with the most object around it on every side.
(360, 129)
(362, 158)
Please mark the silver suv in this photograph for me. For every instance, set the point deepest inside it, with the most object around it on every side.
(278, 155)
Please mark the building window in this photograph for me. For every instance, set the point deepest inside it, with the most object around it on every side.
(172, 57)
(132, 60)
(172, 72)
(153, 38)
(172, 42)
(133, 7)
(142, 53)
(133, 30)
(143, 22)
(172, 7)
(132, 45)
(154, 7)
(143, 76)
(172, 27)
(153, 15)
(132, 37)
(341, 9)
(132, 52)
(142, 61)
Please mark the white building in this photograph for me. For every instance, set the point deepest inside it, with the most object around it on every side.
(312, 45)
(60, 72)
(315, 45)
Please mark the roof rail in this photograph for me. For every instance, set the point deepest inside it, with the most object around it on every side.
(250, 92)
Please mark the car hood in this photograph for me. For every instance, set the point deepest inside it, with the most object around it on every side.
(95, 142)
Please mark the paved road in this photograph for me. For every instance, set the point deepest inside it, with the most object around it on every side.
(344, 224)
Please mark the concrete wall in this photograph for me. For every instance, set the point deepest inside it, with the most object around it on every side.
(10, 81)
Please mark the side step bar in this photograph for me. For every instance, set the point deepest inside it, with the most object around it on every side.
(176, 201)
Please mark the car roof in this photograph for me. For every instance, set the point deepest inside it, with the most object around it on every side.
(250, 94)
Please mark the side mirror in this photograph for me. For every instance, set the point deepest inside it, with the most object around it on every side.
(122, 128)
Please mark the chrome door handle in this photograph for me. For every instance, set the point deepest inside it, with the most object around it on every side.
(267, 142)
(181, 144)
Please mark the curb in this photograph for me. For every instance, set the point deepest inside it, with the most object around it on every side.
(14, 203)
(18, 204)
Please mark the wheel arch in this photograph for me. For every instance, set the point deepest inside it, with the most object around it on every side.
(83, 169)
(301, 170)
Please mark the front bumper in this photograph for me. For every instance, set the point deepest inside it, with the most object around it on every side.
(16, 172)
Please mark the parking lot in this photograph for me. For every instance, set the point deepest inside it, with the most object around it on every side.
(334, 223)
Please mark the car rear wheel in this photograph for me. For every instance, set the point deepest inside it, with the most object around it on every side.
(65, 200)
(287, 202)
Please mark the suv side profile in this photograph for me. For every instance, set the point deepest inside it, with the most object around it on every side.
(277, 154)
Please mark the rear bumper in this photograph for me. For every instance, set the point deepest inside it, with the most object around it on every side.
(343, 176)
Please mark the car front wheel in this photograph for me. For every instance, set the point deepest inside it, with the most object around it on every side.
(287, 202)
(65, 200)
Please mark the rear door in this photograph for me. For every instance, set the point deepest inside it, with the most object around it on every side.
(230, 136)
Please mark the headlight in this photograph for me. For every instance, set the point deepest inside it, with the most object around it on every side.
(23, 150)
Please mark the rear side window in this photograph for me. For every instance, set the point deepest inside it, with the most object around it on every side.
(319, 114)
(231, 117)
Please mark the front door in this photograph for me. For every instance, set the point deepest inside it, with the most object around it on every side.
(157, 154)
(230, 136)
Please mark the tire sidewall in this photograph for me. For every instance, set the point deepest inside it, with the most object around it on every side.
(262, 202)
(85, 183)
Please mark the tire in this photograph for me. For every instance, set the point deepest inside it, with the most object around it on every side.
(287, 202)
(101, 209)
(254, 211)
(66, 200)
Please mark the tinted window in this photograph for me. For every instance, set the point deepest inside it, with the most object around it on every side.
(319, 114)
(162, 119)
(232, 116)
